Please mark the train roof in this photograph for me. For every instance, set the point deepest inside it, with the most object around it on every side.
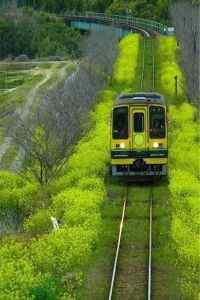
(140, 98)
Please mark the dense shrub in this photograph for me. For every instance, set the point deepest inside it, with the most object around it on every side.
(17, 200)
(39, 223)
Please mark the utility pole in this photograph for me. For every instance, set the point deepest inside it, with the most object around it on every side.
(176, 85)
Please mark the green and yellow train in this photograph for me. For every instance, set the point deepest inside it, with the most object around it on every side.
(139, 143)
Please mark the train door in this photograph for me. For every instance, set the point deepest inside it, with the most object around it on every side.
(139, 128)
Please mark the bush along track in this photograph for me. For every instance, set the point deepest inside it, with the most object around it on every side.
(55, 261)
(97, 283)
(184, 162)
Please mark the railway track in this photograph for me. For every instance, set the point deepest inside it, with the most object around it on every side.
(148, 70)
(115, 291)
(147, 84)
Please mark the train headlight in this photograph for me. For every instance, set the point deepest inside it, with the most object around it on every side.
(156, 145)
(122, 145)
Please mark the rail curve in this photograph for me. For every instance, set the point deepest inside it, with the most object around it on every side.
(127, 23)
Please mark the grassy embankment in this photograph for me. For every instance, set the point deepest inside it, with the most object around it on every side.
(183, 206)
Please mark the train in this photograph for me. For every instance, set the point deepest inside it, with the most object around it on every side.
(139, 136)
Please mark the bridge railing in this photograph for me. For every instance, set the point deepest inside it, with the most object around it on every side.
(129, 20)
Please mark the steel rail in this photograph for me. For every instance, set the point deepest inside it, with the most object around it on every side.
(153, 68)
(117, 251)
(143, 64)
(150, 247)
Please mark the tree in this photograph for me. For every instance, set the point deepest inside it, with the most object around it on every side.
(37, 34)
(46, 135)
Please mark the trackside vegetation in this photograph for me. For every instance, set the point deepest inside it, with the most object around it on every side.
(38, 262)
(56, 260)
(184, 171)
(126, 65)
(168, 70)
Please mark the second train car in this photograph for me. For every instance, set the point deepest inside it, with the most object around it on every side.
(139, 143)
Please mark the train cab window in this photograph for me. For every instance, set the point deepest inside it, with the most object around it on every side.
(120, 123)
(138, 122)
(157, 122)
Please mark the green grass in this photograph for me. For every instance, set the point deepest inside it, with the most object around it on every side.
(9, 80)
(98, 275)
(165, 275)
(148, 61)
(167, 69)
(131, 280)
(10, 101)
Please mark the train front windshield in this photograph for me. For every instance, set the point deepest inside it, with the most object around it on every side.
(120, 122)
(157, 122)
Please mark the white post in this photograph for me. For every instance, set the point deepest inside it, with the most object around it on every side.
(55, 223)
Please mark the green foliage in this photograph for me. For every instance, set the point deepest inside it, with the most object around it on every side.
(53, 265)
(185, 191)
(62, 251)
(154, 9)
(149, 9)
(10, 180)
(168, 69)
(46, 289)
(39, 223)
(185, 129)
(16, 195)
(18, 277)
(125, 68)
(37, 35)
(13, 264)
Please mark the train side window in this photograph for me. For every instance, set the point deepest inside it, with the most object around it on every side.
(120, 122)
(138, 122)
(157, 122)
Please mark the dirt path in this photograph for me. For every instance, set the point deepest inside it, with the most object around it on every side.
(25, 110)
(17, 162)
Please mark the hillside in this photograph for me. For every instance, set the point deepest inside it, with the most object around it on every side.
(36, 34)
(153, 9)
